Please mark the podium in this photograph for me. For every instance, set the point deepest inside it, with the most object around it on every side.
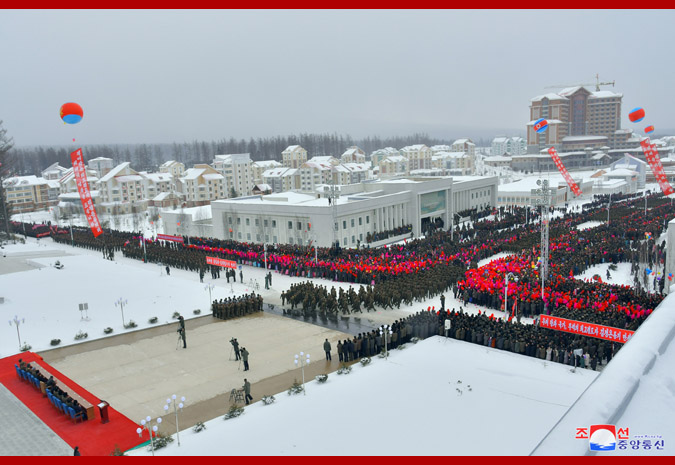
(103, 410)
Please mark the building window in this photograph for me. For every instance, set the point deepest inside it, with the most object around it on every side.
(264, 223)
(290, 240)
(352, 224)
(248, 236)
(274, 239)
(248, 221)
(238, 221)
(360, 221)
(299, 226)
(290, 225)
(239, 236)
(344, 226)
(344, 241)
(274, 225)
(367, 219)
(353, 239)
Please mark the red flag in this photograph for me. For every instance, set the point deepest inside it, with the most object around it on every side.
(85, 195)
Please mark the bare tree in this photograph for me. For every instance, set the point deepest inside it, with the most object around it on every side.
(6, 143)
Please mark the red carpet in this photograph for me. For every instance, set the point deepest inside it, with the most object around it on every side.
(93, 437)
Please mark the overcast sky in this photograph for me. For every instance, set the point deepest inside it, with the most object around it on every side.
(164, 76)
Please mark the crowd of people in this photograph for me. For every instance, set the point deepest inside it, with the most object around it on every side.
(54, 389)
(234, 307)
(381, 235)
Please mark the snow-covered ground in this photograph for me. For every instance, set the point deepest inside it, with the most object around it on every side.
(437, 397)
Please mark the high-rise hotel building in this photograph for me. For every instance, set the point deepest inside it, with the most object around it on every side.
(577, 118)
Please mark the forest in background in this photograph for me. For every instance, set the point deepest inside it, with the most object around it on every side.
(148, 157)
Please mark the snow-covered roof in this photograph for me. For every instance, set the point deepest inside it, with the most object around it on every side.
(129, 178)
(213, 176)
(192, 173)
(497, 158)
(499, 140)
(414, 148)
(440, 148)
(264, 187)
(621, 172)
(100, 159)
(158, 177)
(604, 94)
(266, 163)
(394, 159)
(463, 141)
(444, 155)
(550, 96)
(163, 196)
(291, 148)
(115, 171)
(30, 180)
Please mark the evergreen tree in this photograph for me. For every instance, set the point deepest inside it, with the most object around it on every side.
(6, 144)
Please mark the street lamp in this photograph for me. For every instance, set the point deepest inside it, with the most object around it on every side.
(145, 424)
(302, 362)
(210, 286)
(121, 303)
(175, 411)
(385, 332)
(17, 323)
(506, 290)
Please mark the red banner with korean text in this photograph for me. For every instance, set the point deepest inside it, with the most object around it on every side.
(168, 237)
(585, 329)
(558, 163)
(83, 190)
(221, 262)
(652, 157)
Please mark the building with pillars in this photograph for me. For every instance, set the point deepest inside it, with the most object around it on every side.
(362, 209)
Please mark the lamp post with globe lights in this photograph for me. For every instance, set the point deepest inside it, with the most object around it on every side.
(17, 322)
(299, 360)
(386, 332)
(175, 411)
(146, 424)
(121, 303)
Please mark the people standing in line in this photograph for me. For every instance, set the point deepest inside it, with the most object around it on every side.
(326, 348)
(247, 391)
(244, 358)
(235, 345)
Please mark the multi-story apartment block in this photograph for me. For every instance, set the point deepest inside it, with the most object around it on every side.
(122, 189)
(202, 184)
(293, 157)
(238, 173)
(576, 113)
(67, 182)
(282, 179)
(175, 168)
(101, 165)
(459, 162)
(378, 155)
(30, 193)
(54, 172)
(393, 165)
(508, 145)
(419, 156)
(259, 167)
(353, 155)
(156, 183)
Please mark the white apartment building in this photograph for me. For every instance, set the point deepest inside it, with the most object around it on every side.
(30, 193)
(378, 155)
(53, 172)
(156, 183)
(259, 167)
(353, 155)
(282, 179)
(122, 189)
(101, 165)
(293, 157)
(453, 161)
(174, 168)
(508, 145)
(238, 173)
(393, 165)
(419, 157)
(202, 184)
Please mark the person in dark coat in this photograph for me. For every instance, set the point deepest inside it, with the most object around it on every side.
(181, 330)
(168, 273)
(241, 276)
(247, 391)
(235, 345)
(244, 358)
(76, 451)
(326, 348)
(443, 300)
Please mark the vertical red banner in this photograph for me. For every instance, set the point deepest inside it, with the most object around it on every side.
(652, 157)
(85, 195)
(558, 163)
